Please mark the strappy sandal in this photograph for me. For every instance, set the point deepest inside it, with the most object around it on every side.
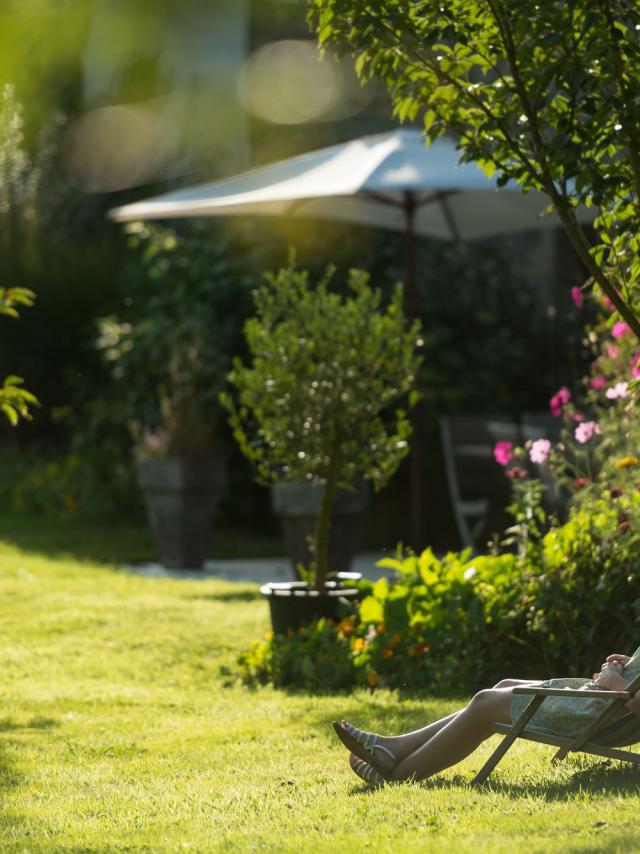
(365, 746)
(366, 773)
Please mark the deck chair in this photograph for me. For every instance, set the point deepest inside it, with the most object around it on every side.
(477, 486)
(602, 737)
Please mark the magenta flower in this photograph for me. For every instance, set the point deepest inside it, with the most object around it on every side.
(619, 390)
(586, 430)
(503, 453)
(540, 451)
(559, 401)
(597, 382)
(635, 366)
(576, 296)
(619, 329)
(608, 304)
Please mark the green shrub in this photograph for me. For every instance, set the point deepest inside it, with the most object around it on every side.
(437, 625)
(456, 624)
(91, 483)
(583, 600)
(317, 656)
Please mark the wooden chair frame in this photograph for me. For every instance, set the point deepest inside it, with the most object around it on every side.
(585, 742)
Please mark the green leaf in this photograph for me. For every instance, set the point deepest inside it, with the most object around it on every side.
(371, 610)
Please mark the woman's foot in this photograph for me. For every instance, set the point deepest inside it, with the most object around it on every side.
(366, 773)
(366, 746)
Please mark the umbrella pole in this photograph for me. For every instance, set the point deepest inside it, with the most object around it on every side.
(411, 305)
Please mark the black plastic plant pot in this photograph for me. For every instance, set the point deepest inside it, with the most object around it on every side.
(293, 604)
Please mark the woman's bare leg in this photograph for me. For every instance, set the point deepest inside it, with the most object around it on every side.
(404, 745)
(459, 737)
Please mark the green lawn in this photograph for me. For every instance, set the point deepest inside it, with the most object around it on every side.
(117, 734)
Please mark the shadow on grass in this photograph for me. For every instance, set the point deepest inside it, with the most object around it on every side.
(230, 596)
(603, 777)
(116, 542)
(105, 542)
(10, 724)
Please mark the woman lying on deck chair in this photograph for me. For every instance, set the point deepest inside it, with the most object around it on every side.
(377, 759)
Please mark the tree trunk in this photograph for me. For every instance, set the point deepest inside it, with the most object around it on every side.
(323, 524)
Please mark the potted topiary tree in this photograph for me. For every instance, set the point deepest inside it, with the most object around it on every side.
(314, 404)
(169, 354)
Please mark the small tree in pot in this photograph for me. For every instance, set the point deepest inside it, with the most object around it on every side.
(315, 401)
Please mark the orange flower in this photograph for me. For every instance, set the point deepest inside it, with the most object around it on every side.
(380, 629)
(387, 652)
(372, 679)
(346, 627)
(358, 644)
(626, 462)
(395, 640)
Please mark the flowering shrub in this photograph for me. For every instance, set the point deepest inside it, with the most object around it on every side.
(456, 624)
(595, 458)
(434, 625)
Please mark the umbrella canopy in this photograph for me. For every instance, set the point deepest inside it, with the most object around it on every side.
(379, 180)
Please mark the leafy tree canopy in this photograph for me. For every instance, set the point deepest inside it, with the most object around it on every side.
(544, 94)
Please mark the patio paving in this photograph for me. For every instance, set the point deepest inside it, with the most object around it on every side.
(258, 570)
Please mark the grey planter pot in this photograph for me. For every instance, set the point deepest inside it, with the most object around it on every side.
(181, 497)
(297, 506)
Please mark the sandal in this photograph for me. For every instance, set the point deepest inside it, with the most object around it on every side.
(363, 745)
(366, 773)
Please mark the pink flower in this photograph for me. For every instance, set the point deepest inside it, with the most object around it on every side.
(578, 416)
(580, 482)
(586, 431)
(576, 296)
(635, 366)
(619, 329)
(503, 453)
(540, 451)
(612, 350)
(559, 400)
(619, 390)
(608, 304)
(597, 382)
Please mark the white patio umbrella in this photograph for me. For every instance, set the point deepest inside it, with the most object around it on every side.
(390, 180)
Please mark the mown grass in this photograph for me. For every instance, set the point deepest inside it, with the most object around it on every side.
(116, 733)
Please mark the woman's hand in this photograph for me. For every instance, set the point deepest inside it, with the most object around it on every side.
(616, 658)
(610, 677)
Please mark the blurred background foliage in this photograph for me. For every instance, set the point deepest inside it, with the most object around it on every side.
(106, 102)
